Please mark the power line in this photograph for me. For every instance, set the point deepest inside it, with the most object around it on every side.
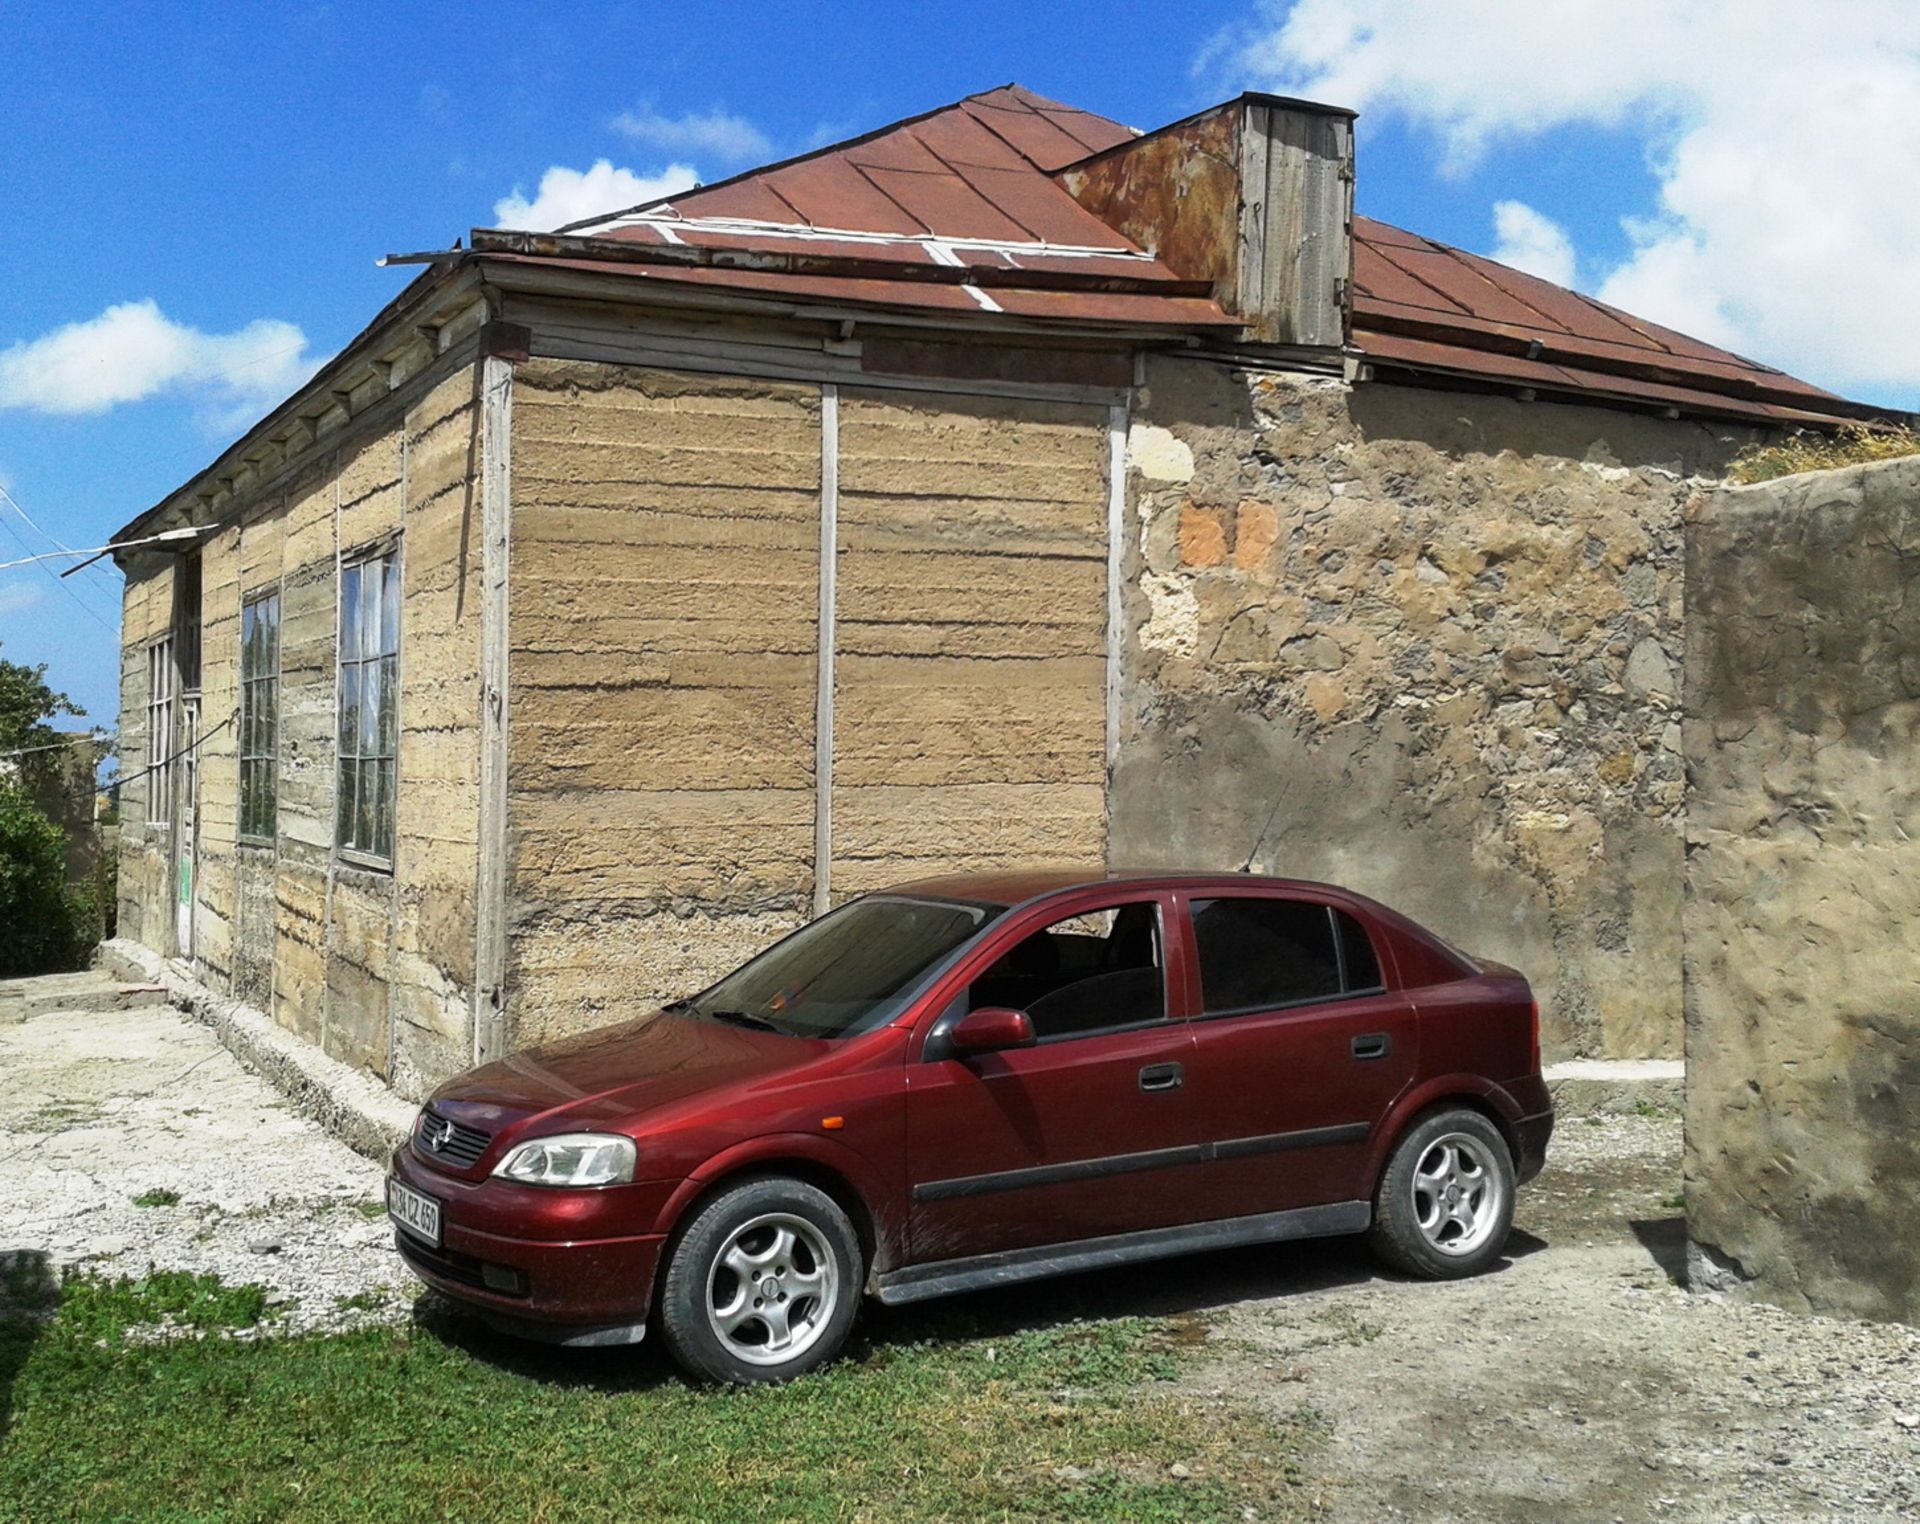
(193, 745)
(85, 607)
(97, 550)
(27, 751)
(33, 524)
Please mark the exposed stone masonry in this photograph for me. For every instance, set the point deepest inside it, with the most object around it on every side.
(1426, 645)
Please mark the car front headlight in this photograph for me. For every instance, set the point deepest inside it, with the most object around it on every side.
(575, 1158)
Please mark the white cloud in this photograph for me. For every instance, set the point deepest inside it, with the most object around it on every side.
(1784, 137)
(572, 195)
(716, 135)
(133, 351)
(1531, 241)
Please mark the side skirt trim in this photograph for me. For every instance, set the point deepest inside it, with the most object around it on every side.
(943, 1278)
(1130, 1164)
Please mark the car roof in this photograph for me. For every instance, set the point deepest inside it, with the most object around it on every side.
(1019, 885)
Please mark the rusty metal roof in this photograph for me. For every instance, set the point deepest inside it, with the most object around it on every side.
(959, 204)
(959, 211)
(1431, 307)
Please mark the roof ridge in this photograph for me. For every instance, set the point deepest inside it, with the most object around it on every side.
(773, 165)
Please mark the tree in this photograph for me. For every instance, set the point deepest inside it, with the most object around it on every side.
(26, 706)
(43, 924)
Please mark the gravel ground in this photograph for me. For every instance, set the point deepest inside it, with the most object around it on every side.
(1580, 1381)
(98, 1108)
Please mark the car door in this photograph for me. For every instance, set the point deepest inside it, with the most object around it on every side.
(1089, 1132)
(1300, 1048)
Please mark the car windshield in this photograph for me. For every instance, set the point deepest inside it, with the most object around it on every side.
(845, 973)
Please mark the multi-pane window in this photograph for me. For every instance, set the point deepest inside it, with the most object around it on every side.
(259, 715)
(369, 647)
(160, 733)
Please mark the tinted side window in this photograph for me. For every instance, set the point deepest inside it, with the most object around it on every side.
(1363, 968)
(1256, 953)
(1093, 973)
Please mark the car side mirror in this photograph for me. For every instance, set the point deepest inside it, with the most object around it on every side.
(989, 1030)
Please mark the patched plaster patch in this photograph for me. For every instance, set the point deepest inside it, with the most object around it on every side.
(1173, 620)
(1158, 455)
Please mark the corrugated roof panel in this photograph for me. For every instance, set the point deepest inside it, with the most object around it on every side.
(1043, 208)
(743, 198)
(830, 192)
(1464, 287)
(960, 139)
(1377, 276)
(1047, 143)
(948, 205)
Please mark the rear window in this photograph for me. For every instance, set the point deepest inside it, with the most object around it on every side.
(1256, 954)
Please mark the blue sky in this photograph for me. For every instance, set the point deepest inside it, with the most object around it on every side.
(205, 189)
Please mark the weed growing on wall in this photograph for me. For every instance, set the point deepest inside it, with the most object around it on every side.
(1853, 445)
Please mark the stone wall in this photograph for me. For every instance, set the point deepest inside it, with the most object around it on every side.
(372, 966)
(1427, 645)
(1802, 729)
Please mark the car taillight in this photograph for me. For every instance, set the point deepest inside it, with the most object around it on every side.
(1534, 1036)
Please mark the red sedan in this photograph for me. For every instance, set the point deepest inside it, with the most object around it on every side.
(972, 1081)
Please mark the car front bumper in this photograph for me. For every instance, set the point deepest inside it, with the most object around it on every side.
(546, 1264)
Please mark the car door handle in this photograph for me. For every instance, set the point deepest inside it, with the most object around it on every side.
(1372, 1045)
(1161, 1077)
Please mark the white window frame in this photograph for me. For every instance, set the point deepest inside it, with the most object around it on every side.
(385, 663)
(260, 712)
(161, 698)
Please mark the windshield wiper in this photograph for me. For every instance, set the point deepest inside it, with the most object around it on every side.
(748, 1019)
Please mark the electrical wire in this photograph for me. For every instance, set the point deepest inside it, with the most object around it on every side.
(86, 608)
(34, 525)
(204, 737)
(98, 550)
(27, 751)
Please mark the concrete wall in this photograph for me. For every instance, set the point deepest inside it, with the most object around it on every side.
(373, 966)
(970, 667)
(664, 619)
(1802, 728)
(1427, 645)
(663, 671)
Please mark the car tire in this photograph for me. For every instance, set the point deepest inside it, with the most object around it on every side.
(763, 1285)
(1444, 1205)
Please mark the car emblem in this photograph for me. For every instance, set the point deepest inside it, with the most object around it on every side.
(437, 1132)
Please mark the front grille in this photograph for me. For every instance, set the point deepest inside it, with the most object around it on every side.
(441, 1140)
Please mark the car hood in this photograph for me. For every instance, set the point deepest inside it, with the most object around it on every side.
(614, 1073)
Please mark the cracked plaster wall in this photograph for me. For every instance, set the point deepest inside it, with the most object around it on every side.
(1802, 692)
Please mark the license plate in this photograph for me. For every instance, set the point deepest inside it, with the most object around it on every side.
(418, 1214)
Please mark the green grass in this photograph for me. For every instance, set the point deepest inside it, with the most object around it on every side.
(157, 1197)
(932, 1416)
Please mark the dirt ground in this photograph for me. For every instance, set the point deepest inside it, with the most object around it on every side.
(1576, 1382)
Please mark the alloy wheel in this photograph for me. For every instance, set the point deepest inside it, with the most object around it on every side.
(1458, 1194)
(772, 1289)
